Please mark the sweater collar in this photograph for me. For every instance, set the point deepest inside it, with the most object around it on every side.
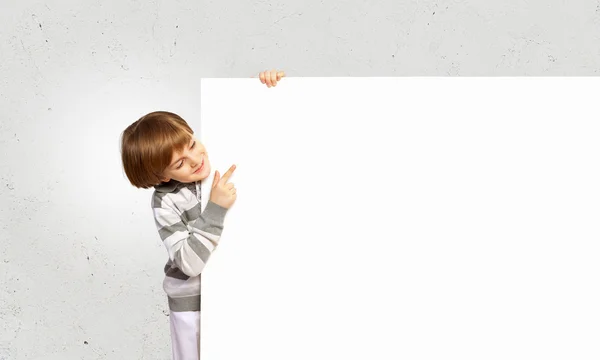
(167, 187)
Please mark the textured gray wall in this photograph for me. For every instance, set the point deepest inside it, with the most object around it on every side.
(78, 265)
(307, 38)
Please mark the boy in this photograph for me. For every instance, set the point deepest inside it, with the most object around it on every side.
(160, 150)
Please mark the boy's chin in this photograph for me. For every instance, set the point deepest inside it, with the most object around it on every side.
(203, 174)
(196, 177)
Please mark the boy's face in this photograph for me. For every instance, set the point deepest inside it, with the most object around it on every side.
(189, 165)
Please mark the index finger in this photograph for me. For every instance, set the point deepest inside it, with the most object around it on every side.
(227, 175)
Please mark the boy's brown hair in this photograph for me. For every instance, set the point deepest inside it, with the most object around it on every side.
(147, 146)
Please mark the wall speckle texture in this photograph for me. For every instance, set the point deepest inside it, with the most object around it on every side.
(81, 264)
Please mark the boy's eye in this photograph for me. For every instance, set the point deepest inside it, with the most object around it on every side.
(193, 144)
(180, 164)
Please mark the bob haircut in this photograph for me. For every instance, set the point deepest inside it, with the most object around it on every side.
(147, 146)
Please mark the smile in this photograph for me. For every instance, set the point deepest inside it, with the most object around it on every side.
(200, 168)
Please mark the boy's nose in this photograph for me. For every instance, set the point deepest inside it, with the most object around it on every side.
(195, 161)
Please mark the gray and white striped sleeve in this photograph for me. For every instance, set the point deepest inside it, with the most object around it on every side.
(189, 250)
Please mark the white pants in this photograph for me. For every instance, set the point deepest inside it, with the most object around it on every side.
(185, 335)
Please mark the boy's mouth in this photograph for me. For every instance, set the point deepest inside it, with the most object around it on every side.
(200, 168)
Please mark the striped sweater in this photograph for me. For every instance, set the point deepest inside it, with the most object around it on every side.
(189, 235)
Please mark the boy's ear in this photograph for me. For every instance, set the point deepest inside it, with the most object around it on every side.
(165, 180)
